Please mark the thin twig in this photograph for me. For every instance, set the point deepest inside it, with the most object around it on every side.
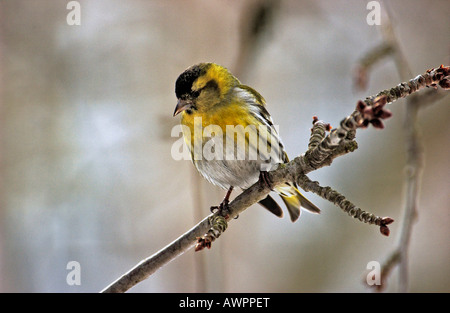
(414, 167)
(348, 207)
(383, 50)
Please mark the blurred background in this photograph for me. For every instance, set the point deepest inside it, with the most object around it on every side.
(86, 172)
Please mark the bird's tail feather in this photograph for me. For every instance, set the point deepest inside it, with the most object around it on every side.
(293, 200)
(272, 206)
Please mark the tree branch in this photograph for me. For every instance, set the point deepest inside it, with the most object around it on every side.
(323, 148)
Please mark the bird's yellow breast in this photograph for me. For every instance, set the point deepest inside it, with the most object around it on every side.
(221, 115)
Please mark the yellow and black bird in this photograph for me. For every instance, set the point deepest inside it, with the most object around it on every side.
(209, 95)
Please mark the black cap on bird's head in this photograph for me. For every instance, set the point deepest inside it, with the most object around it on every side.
(183, 87)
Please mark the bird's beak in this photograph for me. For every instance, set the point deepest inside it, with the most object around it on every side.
(181, 106)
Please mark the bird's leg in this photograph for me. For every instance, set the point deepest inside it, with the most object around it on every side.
(223, 208)
(264, 180)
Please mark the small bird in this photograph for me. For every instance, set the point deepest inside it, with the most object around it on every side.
(245, 143)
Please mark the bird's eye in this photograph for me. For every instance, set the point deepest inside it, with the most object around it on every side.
(195, 93)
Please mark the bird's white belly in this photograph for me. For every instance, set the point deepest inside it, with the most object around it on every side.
(236, 173)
